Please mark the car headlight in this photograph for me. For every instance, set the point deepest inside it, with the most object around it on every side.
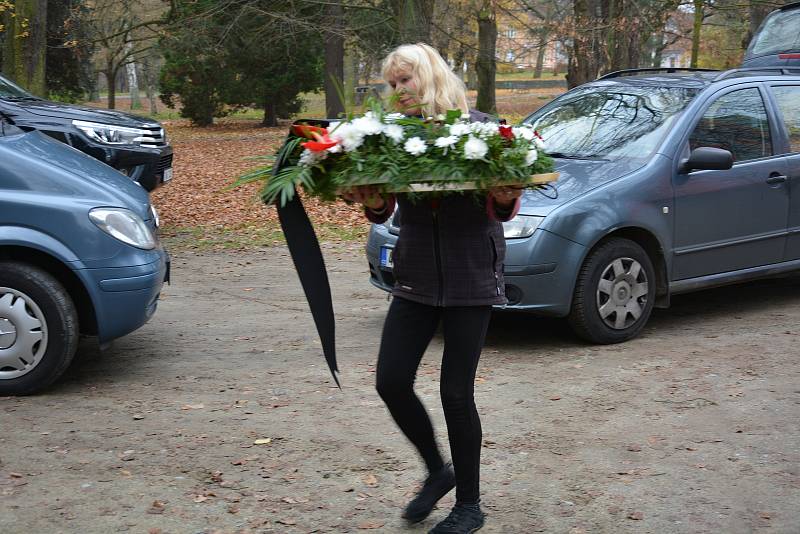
(111, 135)
(124, 225)
(521, 226)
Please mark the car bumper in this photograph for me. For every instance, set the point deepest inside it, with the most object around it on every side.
(125, 298)
(151, 167)
(540, 271)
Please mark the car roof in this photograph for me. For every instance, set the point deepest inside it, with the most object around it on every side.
(691, 78)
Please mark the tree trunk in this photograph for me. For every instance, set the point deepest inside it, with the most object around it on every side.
(350, 67)
(586, 54)
(486, 65)
(25, 44)
(150, 84)
(133, 85)
(537, 71)
(698, 24)
(413, 20)
(334, 64)
(111, 79)
(270, 112)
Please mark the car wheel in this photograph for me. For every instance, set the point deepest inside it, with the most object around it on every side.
(614, 293)
(38, 329)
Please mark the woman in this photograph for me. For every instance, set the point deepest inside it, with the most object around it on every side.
(448, 267)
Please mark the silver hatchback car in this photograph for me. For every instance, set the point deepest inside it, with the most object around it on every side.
(670, 181)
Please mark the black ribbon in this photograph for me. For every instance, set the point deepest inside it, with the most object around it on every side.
(310, 265)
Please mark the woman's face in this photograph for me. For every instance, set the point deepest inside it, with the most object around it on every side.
(404, 85)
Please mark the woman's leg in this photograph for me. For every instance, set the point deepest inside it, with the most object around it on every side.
(408, 329)
(464, 334)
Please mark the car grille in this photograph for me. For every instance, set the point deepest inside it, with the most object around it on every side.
(164, 163)
(154, 136)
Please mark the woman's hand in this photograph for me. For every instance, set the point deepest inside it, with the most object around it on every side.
(365, 194)
(504, 196)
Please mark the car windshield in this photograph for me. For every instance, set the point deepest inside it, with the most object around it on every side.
(610, 122)
(10, 90)
(781, 32)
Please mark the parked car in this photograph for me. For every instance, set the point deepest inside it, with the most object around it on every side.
(135, 146)
(79, 254)
(776, 43)
(669, 182)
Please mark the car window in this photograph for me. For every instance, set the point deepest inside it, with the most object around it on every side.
(788, 98)
(781, 32)
(612, 122)
(736, 122)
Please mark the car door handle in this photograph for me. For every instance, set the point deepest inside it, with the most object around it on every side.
(777, 179)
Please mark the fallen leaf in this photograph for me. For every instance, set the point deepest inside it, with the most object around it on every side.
(263, 441)
(156, 508)
(370, 480)
(555, 398)
(636, 516)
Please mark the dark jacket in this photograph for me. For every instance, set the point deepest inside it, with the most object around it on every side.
(450, 251)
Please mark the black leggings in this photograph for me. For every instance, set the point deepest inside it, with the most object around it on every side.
(408, 329)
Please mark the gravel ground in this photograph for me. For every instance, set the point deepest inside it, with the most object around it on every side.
(219, 416)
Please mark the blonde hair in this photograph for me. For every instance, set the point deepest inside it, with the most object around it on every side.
(438, 87)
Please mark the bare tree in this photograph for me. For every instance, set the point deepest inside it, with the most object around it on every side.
(25, 25)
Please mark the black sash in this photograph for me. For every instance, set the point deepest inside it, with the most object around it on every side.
(310, 266)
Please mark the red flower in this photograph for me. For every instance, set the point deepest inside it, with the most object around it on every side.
(307, 131)
(322, 142)
(507, 132)
(537, 134)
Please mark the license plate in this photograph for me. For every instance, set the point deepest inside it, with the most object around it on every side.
(167, 175)
(386, 257)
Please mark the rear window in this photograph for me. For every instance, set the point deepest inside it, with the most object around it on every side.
(780, 32)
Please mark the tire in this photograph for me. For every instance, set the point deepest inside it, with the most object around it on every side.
(614, 293)
(38, 329)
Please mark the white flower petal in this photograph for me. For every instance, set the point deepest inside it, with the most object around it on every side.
(475, 148)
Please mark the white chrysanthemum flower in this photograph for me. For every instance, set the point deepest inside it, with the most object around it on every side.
(531, 157)
(335, 149)
(350, 137)
(393, 117)
(524, 132)
(309, 158)
(446, 142)
(415, 146)
(440, 117)
(459, 128)
(475, 148)
(394, 132)
(368, 124)
(465, 116)
(484, 129)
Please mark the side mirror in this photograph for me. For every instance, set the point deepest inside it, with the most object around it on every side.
(706, 158)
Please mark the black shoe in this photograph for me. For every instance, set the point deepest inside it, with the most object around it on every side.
(464, 519)
(436, 486)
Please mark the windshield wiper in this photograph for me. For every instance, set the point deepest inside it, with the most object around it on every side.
(19, 98)
(562, 155)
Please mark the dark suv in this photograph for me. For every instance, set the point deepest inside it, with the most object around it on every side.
(135, 146)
